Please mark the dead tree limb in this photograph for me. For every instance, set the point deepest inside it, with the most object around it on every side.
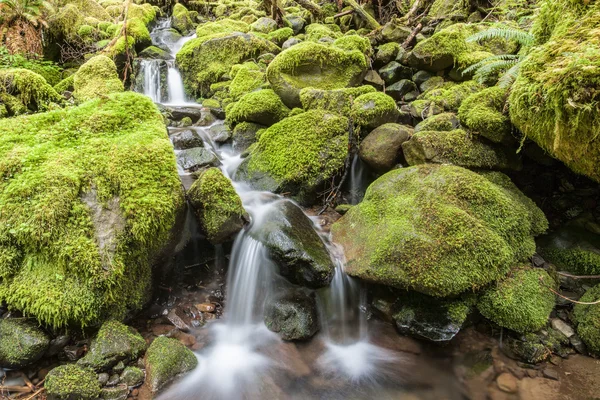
(371, 22)
(347, 12)
(313, 8)
(587, 303)
(412, 36)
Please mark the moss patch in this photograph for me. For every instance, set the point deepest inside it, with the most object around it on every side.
(337, 101)
(483, 113)
(97, 77)
(262, 107)
(165, 359)
(587, 318)
(374, 109)
(71, 381)
(22, 90)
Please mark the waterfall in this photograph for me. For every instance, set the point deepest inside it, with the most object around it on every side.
(151, 72)
(359, 180)
(175, 85)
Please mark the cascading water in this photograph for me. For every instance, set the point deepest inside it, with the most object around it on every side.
(359, 180)
(152, 79)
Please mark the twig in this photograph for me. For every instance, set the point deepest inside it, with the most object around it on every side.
(347, 12)
(591, 303)
(35, 394)
(412, 35)
(371, 22)
(579, 276)
(22, 389)
(27, 381)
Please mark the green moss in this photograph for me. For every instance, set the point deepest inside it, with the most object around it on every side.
(96, 78)
(217, 205)
(246, 80)
(388, 51)
(441, 123)
(181, 19)
(24, 89)
(262, 106)
(57, 168)
(314, 32)
(221, 26)
(211, 103)
(165, 359)
(132, 376)
(519, 302)
(66, 84)
(450, 96)
(374, 109)
(71, 381)
(338, 101)
(437, 229)
(280, 35)
(354, 42)
(483, 113)
(574, 260)
(145, 13)
(85, 30)
(21, 342)
(587, 318)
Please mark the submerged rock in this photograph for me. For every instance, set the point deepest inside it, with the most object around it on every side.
(292, 315)
(438, 229)
(72, 381)
(382, 148)
(21, 342)
(293, 243)
(167, 358)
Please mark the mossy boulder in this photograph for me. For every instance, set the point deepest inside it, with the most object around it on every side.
(264, 25)
(96, 78)
(225, 25)
(217, 205)
(315, 32)
(70, 382)
(315, 65)
(438, 229)
(155, 53)
(298, 154)
(204, 60)
(450, 95)
(337, 101)
(114, 342)
(22, 91)
(244, 135)
(293, 315)
(374, 109)
(290, 237)
(450, 9)
(280, 35)
(572, 249)
(247, 77)
(483, 113)
(167, 358)
(132, 376)
(21, 342)
(262, 107)
(554, 99)
(441, 122)
(521, 301)
(89, 197)
(587, 318)
(382, 148)
(458, 148)
(181, 19)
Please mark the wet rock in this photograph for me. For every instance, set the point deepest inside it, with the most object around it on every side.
(421, 76)
(167, 358)
(73, 353)
(115, 342)
(113, 380)
(177, 318)
(57, 345)
(292, 242)
(400, 89)
(292, 315)
(289, 43)
(394, 32)
(186, 139)
(394, 71)
(220, 133)
(196, 158)
(114, 393)
(372, 78)
(132, 376)
(382, 148)
(578, 344)
(244, 134)
(206, 307)
(21, 342)
(72, 381)
(103, 378)
(117, 369)
(179, 113)
(562, 327)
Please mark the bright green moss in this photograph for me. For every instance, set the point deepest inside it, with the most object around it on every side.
(438, 229)
(520, 301)
(246, 80)
(85, 30)
(145, 13)
(132, 376)
(65, 85)
(337, 101)
(354, 42)
(388, 51)
(441, 123)
(21, 342)
(57, 168)
(263, 107)
(483, 113)
(221, 26)
(442, 9)
(587, 318)
(71, 381)
(181, 19)
(280, 35)
(28, 88)
(450, 96)
(165, 359)
(374, 109)
(217, 205)
(314, 32)
(97, 77)
(574, 260)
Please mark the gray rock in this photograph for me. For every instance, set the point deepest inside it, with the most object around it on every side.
(21, 342)
(292, 315)
(114, 393)
(220, 133)
(382, 148)
(244, 134)
(103, 378)
(132, 376)
(562, 327)
(179, 113)
(167, 358)
(421, 76)
(394, 71)
(57, 345)
(113, 380)
(372, 78)
(289, 43)
(296, 22)
(196, 158)
(550, 373)
(400, 89)
(186, 139)
(120, 367)
(392, 32)
(264, 25)
(578, 344)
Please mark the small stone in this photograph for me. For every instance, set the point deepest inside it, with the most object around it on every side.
(57, 344)
(132, 376)
(103, 378)
(562, 327)
(120, 367)
(186, 139)
(196, 158)
(555, 360)
(73, 353)
(206, 307)
(532, 373)
(507, 383)
(114, 393)
(550, 373)
(113, 380)
(578, 344)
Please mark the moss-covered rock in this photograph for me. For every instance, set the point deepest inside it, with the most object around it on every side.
(217, 205)
(298, 154)
(246, 78)
(262, 107)
(221, 26)
(354, 42)
(114, 342)
(438, 229)
(132, 376)
(280, 35)
(374, 109)
(483, 113)
(440, 122)
(554, 99)
(96, 78)
(316, 32)
(21, 342)
(22, 90)
(181, 19)
(155, 53)
(315, 65)
(167, 358)
(337, 101)
(572, 249)
(382, 148)
(264, 25)
(458, 148)
(65, 85)
(71, 381)
(244, 134)
(587, 318)
(293, 315)
(89, 197)
(450, 96)
(204, 60)
(520, 301)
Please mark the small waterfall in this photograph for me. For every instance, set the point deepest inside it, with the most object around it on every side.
(152, 78)
(175, 85)
(359, 180)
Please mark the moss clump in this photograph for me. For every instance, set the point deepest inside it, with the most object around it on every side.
(387, 52)
(572, 249)
(520, 301)
(314, 65)
(21, 342)
(440, 122)
(71, 381)
(97, 77)
(22, 90)
(217, 205)
(354, 42)
(482, 113)
(203, 61)
(262, 107)
(450, 95)
(64, 174)
(554, 100)
(221, 26)
(165, 359)
(438, 229)
(299, 153)
(338, 101)
(587, 318)
(246, 79)
(65, 85)
(374, 109)
(181, 19)
(280, 35)
(115, 342)
(315, 32)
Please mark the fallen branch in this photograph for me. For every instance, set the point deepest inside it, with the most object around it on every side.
(347, 12)
(579, 276)
(313, 8)
(412, 36)
(371, 22)
(586, 303)
(20, 389)
(35, 394)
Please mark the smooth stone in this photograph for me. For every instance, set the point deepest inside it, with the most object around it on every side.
(186, 139)
(562, 327)
(507, 383)
(196, 158)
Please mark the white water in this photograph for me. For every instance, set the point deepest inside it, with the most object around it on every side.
(152, 86)
(359, 180)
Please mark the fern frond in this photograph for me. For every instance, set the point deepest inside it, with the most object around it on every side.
(485, 71)
(490, 59)
(521, 37)
(509, 77)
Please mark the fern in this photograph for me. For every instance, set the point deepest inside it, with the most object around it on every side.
(519, 36)
(500, 57)
(509, 77)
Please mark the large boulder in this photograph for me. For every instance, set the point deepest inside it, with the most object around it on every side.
(89, 201)
(382, 148)
(204, 60)
(293, 315)
(21, 342)
(298, 154)
(373, 109)
(96, 78)
(217, 205)
(438, 229)
(70, 381)
(554, 99)
(181, 19)
(314, 65)
(293, 243)
(114, 342)
(483, 114)
(167, 358)
(587, 318)
(262, 107)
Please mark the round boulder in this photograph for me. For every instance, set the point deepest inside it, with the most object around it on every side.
(21, 342)
(293, 315)
(382, 148)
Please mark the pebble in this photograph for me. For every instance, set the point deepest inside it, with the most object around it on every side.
(103, 378)
(550, 373)
(177, 321)
(507, 383)
(562, 327)
(578, 344)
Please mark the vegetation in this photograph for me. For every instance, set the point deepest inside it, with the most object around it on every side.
(21, 23)
(587, 318)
